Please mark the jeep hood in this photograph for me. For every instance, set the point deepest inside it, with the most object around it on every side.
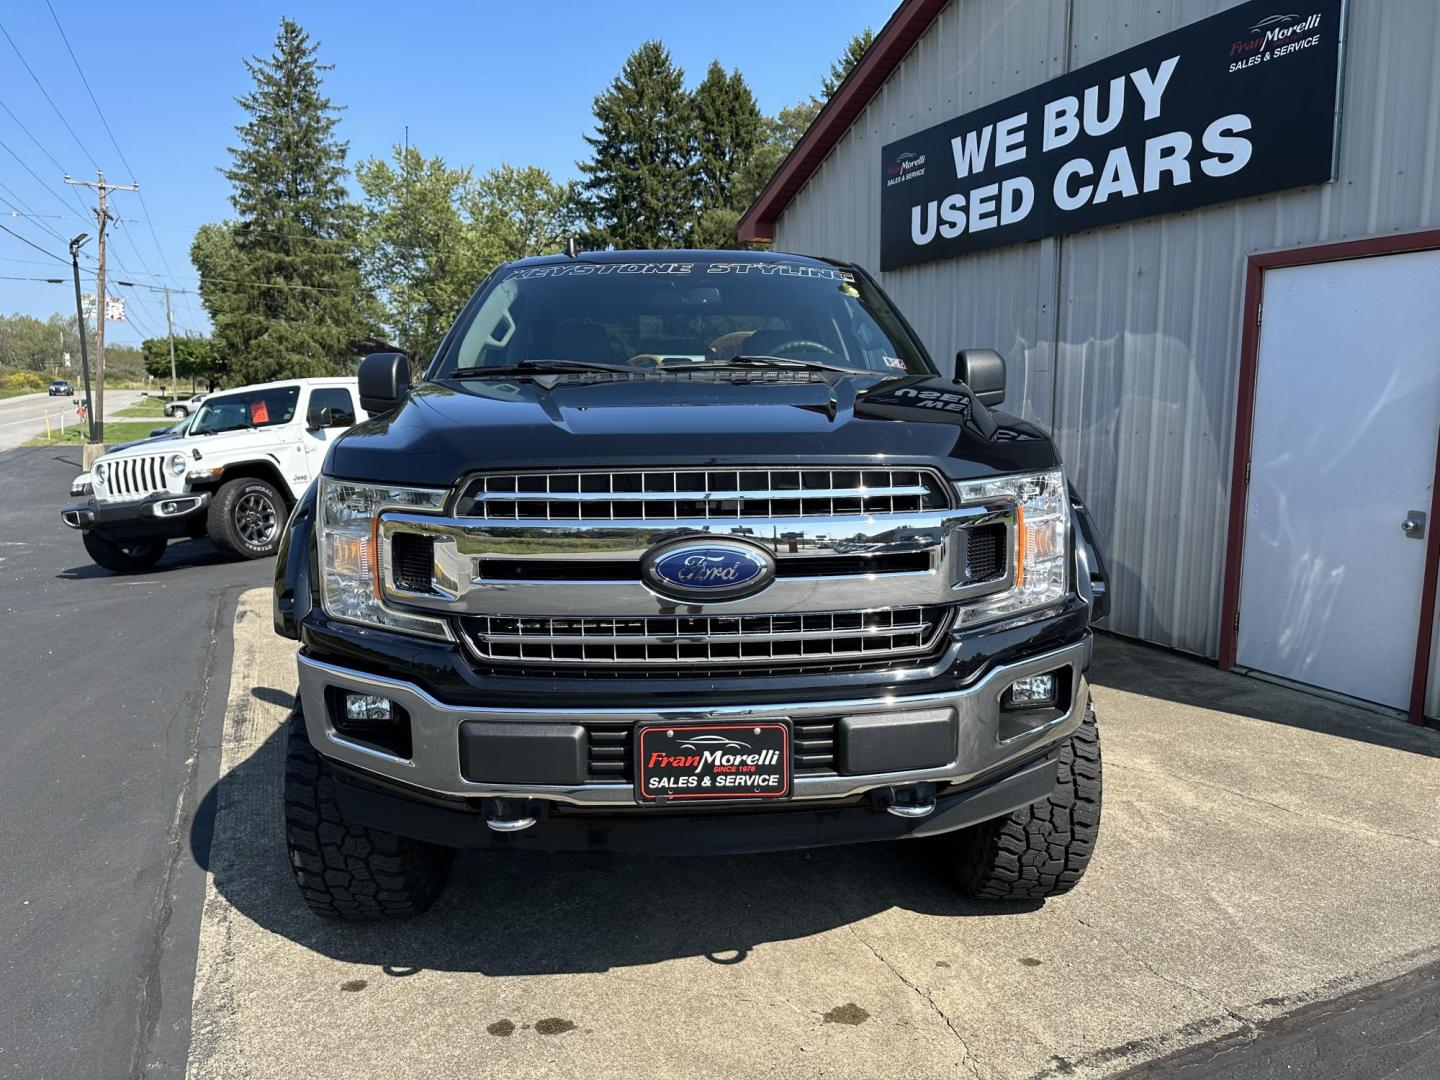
(443, 431)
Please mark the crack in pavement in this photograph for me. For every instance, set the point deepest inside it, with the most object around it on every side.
(967, 1056)
(1306, 813)
(1247, 1027)
(195, 704)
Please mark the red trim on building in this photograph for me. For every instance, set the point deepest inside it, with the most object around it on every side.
(911, 19)
(1394, 244)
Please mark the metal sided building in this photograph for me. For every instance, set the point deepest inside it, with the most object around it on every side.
(1206, 237)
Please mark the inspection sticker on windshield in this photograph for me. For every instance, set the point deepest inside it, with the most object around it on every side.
(712, 761)
(894, 362)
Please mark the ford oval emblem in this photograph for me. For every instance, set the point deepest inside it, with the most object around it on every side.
(708, 570)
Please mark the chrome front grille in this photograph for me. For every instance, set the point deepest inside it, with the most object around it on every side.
(703, 494)
(134, 477)
(709, 641)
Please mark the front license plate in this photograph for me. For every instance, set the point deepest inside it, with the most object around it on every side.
(712, 761)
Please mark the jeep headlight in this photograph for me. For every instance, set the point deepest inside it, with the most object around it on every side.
(178, 464)
(1041, 539)
(349, 545)
(99, 471)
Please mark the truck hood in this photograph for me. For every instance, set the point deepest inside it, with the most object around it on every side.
(443, 431)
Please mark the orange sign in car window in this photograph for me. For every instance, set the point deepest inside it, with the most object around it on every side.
(259, 414)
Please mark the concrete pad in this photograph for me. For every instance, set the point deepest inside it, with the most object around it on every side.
(1261, 849)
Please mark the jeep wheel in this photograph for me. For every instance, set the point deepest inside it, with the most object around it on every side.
(123, 556)
(1043, 849)
(245, 518)
(348, 871)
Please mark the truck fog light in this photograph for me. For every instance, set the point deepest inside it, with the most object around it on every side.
(1031, 692)
(367, 708)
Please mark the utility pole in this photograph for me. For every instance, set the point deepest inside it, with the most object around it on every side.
(103, 217)
(80, 325)
(169, 325)
(170, 332)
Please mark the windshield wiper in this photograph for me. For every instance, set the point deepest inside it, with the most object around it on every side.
(530, 367)
(786, 361)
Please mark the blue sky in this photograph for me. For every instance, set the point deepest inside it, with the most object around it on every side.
(478, 83)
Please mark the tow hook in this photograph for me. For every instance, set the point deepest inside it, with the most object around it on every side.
(911, 801)
(512, 815)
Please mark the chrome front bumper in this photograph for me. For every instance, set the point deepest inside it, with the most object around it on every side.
(435, 730)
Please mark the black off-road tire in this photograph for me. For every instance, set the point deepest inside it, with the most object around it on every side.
(348, 871)
(233, 518)
(1043, 849)
(123, 557)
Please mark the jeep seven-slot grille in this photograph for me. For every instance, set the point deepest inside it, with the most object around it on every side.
(134, 477)
(706, 494)
(611, 758)
(660, 641)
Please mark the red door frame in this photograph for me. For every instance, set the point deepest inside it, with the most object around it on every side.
(1255, 268)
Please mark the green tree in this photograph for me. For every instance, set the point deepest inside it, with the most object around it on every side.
(285, 293)
(196, 359)
(417, 253)
(640, 183)
(729, 127)
(846, 63)
(778, 136)
(516, 212)
(431, 233)
(30, 344)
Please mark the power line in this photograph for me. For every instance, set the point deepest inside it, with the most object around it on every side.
(21, 125)
(41, 147)
(48, 98)
(31, 243)
(20, 208)
(6, 147)
(144, 209)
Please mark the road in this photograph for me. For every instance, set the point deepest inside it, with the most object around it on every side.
(1261, 905)
(22, 418)
(106, 681)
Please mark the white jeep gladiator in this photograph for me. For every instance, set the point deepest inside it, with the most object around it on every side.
(246, 457)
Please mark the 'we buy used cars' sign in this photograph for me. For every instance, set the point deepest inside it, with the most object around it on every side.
(1236, 105)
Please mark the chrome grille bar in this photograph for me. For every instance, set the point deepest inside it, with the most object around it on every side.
(710, 639)
(704, 494)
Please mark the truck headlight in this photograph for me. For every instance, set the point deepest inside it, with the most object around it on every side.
(178, 464)
(349, 521)
(1041, 538)
(99, 471)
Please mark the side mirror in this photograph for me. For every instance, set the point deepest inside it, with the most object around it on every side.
(983, 371)
(384, 381)
(319, 419)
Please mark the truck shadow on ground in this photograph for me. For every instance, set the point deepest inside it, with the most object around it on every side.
(528, 913)
(179, 555)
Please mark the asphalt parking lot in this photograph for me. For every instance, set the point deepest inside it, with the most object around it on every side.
(1262, 903)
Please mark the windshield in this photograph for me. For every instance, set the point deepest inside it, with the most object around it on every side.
(267, 407)
(679, 314)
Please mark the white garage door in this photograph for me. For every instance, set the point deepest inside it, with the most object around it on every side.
(1346, 413)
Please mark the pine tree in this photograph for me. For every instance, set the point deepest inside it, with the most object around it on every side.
(641, 182)
(728, 130)
(846, 64)
(285, 294)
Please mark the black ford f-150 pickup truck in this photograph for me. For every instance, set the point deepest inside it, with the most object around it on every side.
(687, 552)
